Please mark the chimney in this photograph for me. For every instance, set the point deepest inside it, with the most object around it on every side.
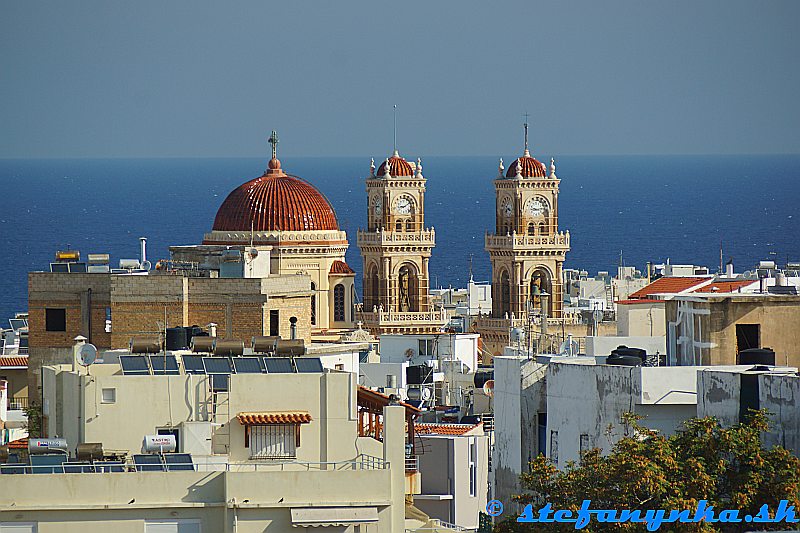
(729, 269)
(143, 248)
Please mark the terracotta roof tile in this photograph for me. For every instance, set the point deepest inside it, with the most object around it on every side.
(639, 301)
(725, 286)
(443, 429)
(285, 417)
(531, 168)
(340, 267)
(19, 444)
(397, 167)
(13, 361)
(668, 285)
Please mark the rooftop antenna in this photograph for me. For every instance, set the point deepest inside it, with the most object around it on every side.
(395, 129)
(470, 267)
(527, 153)
(721, 266)
(273, 140)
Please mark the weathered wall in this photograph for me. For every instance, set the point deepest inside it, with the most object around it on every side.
(780, 395)
(641, 319)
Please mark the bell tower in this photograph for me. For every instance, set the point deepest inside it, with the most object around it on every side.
(396, 246)
(527, 250)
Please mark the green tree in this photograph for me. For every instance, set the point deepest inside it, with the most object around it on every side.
(728, 467)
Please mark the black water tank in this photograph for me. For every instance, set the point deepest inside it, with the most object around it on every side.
(635, 352)
(419, 374)
(757, 356)
(481, 377)
(624, 360)
(176, 339)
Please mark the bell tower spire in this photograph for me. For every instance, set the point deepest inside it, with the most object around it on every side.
(525, 125)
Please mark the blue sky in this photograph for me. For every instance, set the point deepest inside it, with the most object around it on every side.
(212, 79)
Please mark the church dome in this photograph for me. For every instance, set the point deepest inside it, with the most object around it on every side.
(397, 167)
(531, 167)
(275, 201)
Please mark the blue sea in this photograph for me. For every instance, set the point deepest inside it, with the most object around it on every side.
(650, 208)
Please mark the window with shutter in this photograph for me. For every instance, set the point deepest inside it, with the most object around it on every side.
(273, 441)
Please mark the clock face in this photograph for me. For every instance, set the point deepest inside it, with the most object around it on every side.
(376, 205)
(535, 207)
(507, 208)
(404, 206)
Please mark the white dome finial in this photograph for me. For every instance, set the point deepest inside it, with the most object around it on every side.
(372, 167)
(501, 169)
(387, 171)
(419, 167)
(552, 167)
(519, 167)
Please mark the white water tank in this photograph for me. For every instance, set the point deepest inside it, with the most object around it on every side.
(159, 443)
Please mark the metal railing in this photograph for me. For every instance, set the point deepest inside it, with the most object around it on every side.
(362, 462)
(18, 404)
(412, 463)
(438, 525)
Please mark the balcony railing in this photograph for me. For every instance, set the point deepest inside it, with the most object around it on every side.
(426, 236)
(401, 318)
(557, 240)
(18, 404)
(412, 463)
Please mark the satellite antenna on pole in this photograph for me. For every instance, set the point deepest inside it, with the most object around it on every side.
(87, 355)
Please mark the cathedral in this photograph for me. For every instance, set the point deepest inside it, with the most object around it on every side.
(288, 220)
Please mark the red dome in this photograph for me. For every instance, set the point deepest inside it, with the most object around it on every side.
(397, 167)
(275, 202)
(531, 168)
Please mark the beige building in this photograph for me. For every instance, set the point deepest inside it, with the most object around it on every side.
(273, 452)
(291, 220)
(109, 309)
(396, 248)
(710, 328)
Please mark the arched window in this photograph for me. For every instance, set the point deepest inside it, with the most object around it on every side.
(543, 229)
(372, 290)
(313, 304)
(409, 226)
(540, 283)
(408, 288)
(531, 229)
(352, 304)
(398, 227)
(338, 303)
(505, 294)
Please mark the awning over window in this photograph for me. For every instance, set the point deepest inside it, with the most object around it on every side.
(333, 516)
(283, 417)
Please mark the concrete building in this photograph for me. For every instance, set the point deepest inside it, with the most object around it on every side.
(421, 349)
(271, 452)
(396, 248)
(455, 472)
(711, 328)
(728, 394)
(563, 406)
(13, 398)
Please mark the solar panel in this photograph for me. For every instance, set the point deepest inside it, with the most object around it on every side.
(83, 467)
(217, 365)
(178, 461)
(59, 267)
(247, 365)
(109, 466)
(193, 364)
(134, 365)
(279, 365)
(12, 469)
(308, 365)
(51, 463)
(220, 382)
(18, 323)
(148, 463)
(77, 267)
(164, 364)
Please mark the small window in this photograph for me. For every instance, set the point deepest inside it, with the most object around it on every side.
(274, 317)
(55, 319)
(340, 367)
(584, 443)
(427, 346)
(338, 303)
(398, 226)
(109, 396)
(273, 441)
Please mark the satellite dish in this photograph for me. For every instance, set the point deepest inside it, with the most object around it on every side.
(426, 394)
(517, 335)
(253, 253)
(146, 265)
(488, 388)
(409, 353)
(414, 394)
(87, 355)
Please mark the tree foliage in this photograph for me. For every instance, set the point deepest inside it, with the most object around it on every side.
(728, 467)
